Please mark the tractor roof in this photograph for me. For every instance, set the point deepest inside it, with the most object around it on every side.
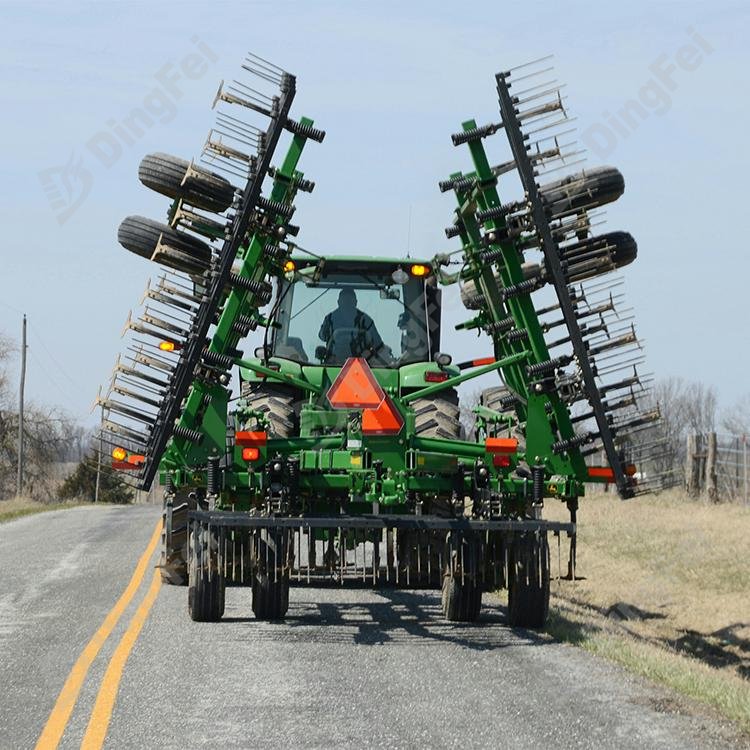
(355, 261)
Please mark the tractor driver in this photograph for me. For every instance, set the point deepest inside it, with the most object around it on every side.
(348, 332)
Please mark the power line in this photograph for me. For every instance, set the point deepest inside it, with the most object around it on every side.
(52, 357)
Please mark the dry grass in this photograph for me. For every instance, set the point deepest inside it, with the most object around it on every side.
(21, 506)
(684, 567)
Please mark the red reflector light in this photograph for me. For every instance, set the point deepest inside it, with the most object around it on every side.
(136, 459)
(501, 459)
(250, 454)
(124, 466)
(250, 439)
(501, 445)
(435, 377)
(483, 361)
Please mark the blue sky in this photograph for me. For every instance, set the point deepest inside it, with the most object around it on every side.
(389, 82)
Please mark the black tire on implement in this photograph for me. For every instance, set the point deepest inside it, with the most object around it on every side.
(585, 189)
(438, 416)
(165, 174)
(271, 575)
(207, 587)
(141, 235)
(174, 542)
(528, 582)
(462, 589)
(277, 403)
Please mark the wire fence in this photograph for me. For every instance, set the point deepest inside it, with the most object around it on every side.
(718, 465)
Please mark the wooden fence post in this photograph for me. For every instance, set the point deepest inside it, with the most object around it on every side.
(711, 480)
(691, 468)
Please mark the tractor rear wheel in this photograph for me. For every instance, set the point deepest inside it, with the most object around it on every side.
(277, 403)
(493, 397)
(174, 541)
(271, 574)
(438, 416)
(462, 588)
(207, 585)
(528, 581)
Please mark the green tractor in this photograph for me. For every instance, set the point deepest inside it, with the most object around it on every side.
(330, 310)
(345, 458)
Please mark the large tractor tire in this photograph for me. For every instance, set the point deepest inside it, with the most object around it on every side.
(438, 416)
(462, 588)
(140, 235)
(528, 581)
(278, 404)
(165, 174)
(271, 574)
(174, 541)
(207, 586)
(493, 397)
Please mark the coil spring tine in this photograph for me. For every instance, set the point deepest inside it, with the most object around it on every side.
(342, 554)
(419, 556)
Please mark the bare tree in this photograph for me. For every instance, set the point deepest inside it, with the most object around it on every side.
(50, 437)
(737, 419)
(686, 408)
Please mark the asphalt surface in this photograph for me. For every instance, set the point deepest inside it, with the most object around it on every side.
(347, 668)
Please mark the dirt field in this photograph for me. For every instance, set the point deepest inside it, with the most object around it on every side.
(664, 588)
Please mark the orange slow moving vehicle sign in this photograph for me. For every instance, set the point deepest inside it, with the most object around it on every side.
(356, 388)
(385, 420)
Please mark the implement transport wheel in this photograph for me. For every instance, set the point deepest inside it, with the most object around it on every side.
(271, 574)
(167, 174)
(528, 581)
(462, 589)
(141, 236)
(174, 541)
(206, 586)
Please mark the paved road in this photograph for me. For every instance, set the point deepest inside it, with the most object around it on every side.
(348, 668)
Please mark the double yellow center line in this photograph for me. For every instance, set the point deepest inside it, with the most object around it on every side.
(96, 730)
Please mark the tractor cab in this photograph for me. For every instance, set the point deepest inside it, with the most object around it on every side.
(328, 310)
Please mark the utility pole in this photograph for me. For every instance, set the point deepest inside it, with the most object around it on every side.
(19, 478)
(99, 459)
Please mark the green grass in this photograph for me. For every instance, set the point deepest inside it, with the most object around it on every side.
(19, 507)
(685, 566)
(725, 692)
